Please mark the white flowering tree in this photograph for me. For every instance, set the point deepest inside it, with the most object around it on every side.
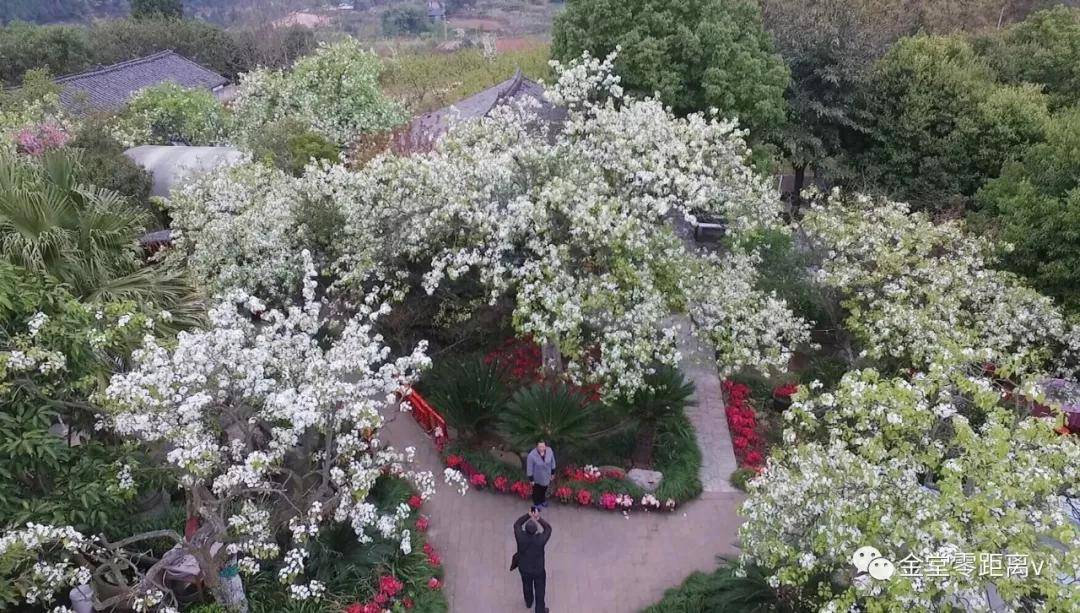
(933, 459)
(569, 220)
(573, 221)
(335, 91)
(934, 473)
(271, 428)
(918, 293)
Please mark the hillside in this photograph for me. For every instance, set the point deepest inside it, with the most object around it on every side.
(225, 12)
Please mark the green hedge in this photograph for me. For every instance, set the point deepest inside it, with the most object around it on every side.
(679, 459)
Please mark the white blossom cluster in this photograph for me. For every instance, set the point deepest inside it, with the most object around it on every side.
(50, 553)
(570, 219)
(877, 466)
(238, 405)
(919, 292)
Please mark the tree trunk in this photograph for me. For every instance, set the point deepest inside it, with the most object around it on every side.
(229, 593)
(552, 359)
(797, 183)
(643, 446)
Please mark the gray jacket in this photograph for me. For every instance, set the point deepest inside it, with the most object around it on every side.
(540, 470)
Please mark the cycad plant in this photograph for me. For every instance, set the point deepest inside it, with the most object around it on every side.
(548, 412)
(666, 393)
(469, 393)
(83, 236)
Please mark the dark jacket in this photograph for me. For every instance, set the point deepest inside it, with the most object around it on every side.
(530, 547)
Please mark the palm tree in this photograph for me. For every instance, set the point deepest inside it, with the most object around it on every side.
(666, 393)
(83, 236)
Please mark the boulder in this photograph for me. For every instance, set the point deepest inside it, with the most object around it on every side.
(647, 480)
(507, 457)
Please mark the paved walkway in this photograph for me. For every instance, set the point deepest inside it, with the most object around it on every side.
(707, 415)
(597, 561)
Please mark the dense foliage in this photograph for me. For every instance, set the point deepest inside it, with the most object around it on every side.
(582, 249)
(71, 49)
(170, 114)
(940, 124)
(695, 54)
(909, 453)
(1036, 202)
(334, 91)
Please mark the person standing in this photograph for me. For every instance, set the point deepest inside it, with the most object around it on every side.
(540, 468)
(532, 533)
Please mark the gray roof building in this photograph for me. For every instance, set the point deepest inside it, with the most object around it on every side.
(426, 129)
(110, 87)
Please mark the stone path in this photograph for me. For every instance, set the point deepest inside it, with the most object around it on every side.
(707, 415)
(597, 561)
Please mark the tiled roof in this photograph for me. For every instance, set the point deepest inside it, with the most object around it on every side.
(428, 127)
(111, 87)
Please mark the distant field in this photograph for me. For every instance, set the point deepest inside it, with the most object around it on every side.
(425, 80)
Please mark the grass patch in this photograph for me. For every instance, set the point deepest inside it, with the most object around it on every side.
(678, 457)
(429, 81)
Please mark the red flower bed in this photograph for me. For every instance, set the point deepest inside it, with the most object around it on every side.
(586, 487)
(522, 360)
(743, 423)
(786, 390)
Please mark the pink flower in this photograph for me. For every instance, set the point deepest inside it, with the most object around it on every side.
(786, 390)
(381, 599)
(422, 523)
(608, 500)
(584, 497)
(434, 583)
(415, 501)
(390, 585)
(564, 493)
(501, 483)
(454, 461)
(478, 480)
(434, 559)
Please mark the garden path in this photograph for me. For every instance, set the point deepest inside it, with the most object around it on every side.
(707, 414)
(597, 561)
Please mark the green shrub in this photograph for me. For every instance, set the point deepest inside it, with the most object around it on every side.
(468, 392)
(289, 145)
(827, 370)
(409, 19)
(666, 393)
(721, 591)
(551, 413)
(741, 476)
(678, 458)
(169, 113)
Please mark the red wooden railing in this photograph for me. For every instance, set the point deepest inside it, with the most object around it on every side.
(429, 419)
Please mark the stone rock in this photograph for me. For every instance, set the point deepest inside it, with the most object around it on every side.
(647, 480)
(507, 457)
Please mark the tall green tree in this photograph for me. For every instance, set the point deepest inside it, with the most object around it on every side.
(695, 54)
(940, 125)
(1043, 49)
(157, 9)
(829, 46)
(1036, 202)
